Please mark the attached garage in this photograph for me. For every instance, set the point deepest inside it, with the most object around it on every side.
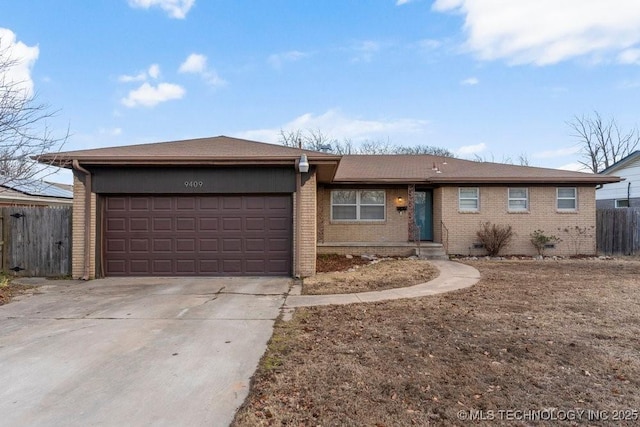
(215, 206)
(207, 235)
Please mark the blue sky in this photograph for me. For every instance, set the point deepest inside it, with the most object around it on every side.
(486, 77)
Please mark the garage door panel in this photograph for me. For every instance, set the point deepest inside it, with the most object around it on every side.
(231, 224)
(116, 204)
(186, 266)
(139, 224)
(208, 245)
(198, 235)
(255, 266)
(279, 224)
(162, 204)
(139, 245)
(116, 224)
(255, 245)
(186, 203)
(140, 266)
(116, 266)
(231, 266)
(231, 203)
(162, 245)
(253, 203)
(140, 204)
(231, 245)
(185, 245)
(186, 224)
(162, 266)
(208, 203)
(162, 224)
(209, 267)
(208, 224)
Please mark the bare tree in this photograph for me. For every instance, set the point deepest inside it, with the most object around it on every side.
(602, 142)
(315, 139)
(24, 129)
(424, 149)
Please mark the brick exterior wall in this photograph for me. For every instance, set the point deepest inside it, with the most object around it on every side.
(394, 229)
(542, 215)
(77, 234)
(308, 227)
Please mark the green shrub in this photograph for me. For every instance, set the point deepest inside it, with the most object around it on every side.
(539, 240)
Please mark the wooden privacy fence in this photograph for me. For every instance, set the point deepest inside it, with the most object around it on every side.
(36, 241)
(618, 231)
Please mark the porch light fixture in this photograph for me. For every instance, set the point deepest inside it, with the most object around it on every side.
(401, 206)
(303, 164)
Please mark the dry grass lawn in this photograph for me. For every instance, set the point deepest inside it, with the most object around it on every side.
(530, 335)
(385, 274)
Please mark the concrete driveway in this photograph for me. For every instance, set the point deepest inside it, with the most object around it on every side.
(134, 351)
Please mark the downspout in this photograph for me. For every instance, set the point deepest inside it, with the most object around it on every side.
(296, 267)
(87, 217)
(629, 193)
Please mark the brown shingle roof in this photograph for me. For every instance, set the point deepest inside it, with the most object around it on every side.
(222, 148)
(420, 169)
(350, 169)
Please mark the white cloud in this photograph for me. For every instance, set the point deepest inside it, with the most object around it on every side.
(365, 50)
(150, 96)
(278, 59)
(401, 2)
(22, 59)
(153, 72)
(471, 81)
(545, 32)
(337, 125)
(429, 44)
(467, 150)
(629, 56)
(196, 63)
(560, 152)
(177, 9)
(575, 166)
(110, 132)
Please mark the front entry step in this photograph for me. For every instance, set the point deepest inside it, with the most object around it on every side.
(431, 251)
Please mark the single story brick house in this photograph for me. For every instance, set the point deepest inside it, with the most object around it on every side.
(227, 206)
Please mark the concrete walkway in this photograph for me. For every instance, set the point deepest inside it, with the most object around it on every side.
(453, 275)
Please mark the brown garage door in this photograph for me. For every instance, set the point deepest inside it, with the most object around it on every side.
(197, 235)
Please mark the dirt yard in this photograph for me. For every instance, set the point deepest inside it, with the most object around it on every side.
(557, 337)
(10, 290)
(362, 275)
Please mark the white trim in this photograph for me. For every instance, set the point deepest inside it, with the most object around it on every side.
(621, 200)
(574, 198)
(358, 205)
(477, 199)
(526, 199)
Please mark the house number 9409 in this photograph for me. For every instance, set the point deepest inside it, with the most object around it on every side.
(193, 184)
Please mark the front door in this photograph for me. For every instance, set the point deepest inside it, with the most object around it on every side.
(424, 214)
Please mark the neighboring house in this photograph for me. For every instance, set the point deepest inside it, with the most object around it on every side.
(226, 206)
(32, 192)
(624, 193)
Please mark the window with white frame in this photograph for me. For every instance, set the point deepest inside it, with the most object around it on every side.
(622, 203)
(518, 199)
(567, 199)
(357, 205)
(469, 199)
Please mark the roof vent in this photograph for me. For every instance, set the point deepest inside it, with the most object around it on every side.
(325, 148)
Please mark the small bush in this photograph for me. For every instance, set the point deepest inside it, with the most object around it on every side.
(539, 240)
(495, 237)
